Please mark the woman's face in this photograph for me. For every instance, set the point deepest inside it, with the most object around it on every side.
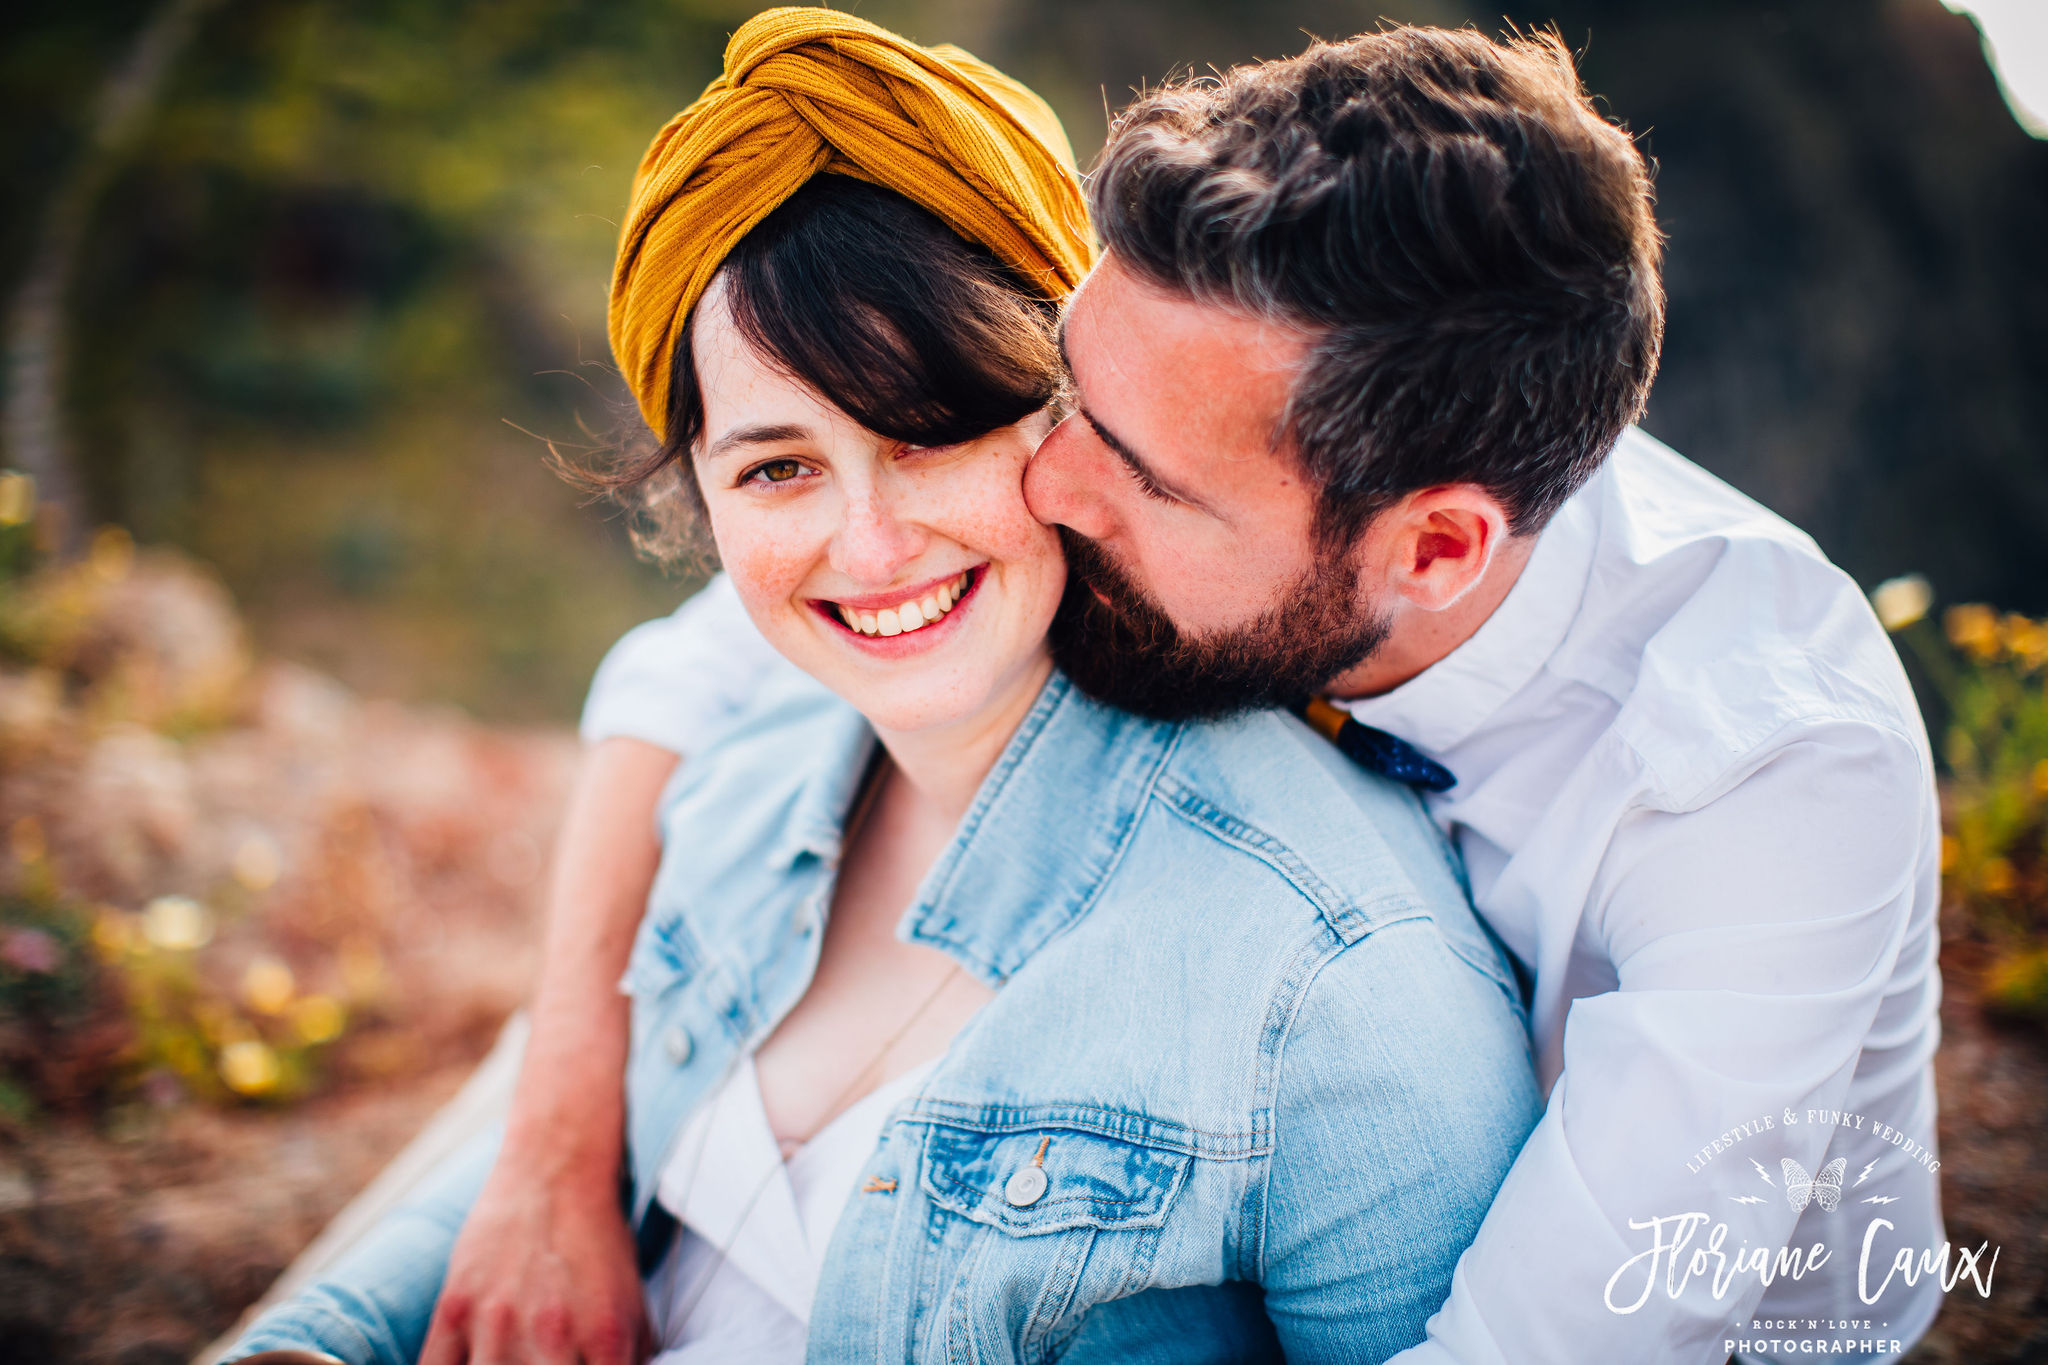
(911, 580)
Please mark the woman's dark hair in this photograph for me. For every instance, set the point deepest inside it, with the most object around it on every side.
(891, 316)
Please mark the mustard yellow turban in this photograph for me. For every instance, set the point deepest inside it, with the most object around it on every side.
(811, 91)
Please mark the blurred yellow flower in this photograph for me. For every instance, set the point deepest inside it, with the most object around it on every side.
(1900, 602)
(2026, 640)
(2041, 779)
(176, 924)
(250, 1068)
(17, 498)
(1950, 850)
(257, 863)
(1996, 877)
(113, 933)
(112, 554)
(1973, 628)
(267, 986)
(318, 1018)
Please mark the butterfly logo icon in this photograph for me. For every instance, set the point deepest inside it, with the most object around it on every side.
(1824, 1189)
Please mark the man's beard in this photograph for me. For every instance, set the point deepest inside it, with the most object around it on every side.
(1127, 652)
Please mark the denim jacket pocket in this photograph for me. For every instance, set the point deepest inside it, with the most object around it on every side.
(1030, 1180)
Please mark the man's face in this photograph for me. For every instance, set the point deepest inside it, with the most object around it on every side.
(1196, 583)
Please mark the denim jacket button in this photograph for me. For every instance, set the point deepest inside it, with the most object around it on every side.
(1024, 1186)
(676, 1043)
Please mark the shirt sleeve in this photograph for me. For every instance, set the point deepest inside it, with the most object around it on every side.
(674, 680)
(1755, 941)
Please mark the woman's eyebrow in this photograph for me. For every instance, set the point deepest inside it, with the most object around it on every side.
(755, 436)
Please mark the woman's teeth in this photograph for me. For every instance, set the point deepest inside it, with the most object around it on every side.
(912, 615)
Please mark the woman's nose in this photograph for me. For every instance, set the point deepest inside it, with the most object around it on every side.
(874, 542)
(1063, 483)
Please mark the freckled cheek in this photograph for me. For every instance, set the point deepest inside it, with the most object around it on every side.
(768, 558)
(986, 513)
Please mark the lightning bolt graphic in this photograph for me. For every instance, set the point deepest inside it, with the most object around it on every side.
(1881, 1199)
(1865, 1175)
(1746, 1198)
(1762, 1172)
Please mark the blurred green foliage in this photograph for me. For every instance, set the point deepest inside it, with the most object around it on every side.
(358, 257)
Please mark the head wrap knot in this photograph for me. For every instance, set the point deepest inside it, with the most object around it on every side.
(812, 91)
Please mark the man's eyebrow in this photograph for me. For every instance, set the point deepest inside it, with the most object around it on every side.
(755, 436)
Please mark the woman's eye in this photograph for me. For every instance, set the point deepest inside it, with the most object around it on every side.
(775, 471)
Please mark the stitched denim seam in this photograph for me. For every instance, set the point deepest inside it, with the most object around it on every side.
(993, 789)
(1265, 1172)
(1340, 913)
(1049, 1309)
(944, 1178)
(327, 1316)
(983, 1119)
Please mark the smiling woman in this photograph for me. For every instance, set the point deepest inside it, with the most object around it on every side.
(851, 407)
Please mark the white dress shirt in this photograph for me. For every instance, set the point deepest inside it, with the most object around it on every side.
(1696, 801)
(738, 1279)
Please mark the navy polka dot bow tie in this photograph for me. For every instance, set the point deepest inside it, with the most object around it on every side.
(1375, 749)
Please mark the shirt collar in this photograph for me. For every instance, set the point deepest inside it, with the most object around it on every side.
(1443, 705)
(1043, 834)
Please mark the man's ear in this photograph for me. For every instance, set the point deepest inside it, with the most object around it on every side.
(1433, 545)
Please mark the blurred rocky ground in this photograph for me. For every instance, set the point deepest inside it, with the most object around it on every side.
(253, 929)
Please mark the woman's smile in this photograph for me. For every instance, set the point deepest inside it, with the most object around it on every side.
(906, 620)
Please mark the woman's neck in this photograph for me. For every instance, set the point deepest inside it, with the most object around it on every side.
(944, 765)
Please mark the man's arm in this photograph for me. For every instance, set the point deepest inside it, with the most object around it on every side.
(1755, 941)
(544, 1269)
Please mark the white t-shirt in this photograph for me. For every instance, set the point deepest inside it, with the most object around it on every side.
(1695, 798)
(739, 1277)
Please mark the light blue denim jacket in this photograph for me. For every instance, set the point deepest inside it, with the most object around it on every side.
(1245, 1021)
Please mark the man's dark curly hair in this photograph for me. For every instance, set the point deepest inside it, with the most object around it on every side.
(1468, 242)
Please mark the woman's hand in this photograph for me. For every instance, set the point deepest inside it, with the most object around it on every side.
(543, 1274)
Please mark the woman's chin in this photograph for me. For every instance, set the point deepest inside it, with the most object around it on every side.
(944, 698)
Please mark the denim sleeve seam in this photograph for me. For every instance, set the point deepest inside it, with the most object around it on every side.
(302, 1312)
(1265, 1175)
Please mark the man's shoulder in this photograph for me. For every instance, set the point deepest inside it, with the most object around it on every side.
(1721, 631)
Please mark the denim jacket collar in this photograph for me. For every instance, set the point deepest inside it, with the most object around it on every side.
(1065, 773)
(1074, 772)
(817, 817)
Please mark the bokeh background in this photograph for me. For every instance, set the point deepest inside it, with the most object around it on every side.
(297, 293)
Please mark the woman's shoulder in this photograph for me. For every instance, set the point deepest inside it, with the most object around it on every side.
(1359, 845)
(793, 748)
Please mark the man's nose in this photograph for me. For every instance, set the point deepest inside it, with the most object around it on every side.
(1063, 483)
(874, 543)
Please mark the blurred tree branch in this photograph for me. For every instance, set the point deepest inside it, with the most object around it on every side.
(33, 420)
